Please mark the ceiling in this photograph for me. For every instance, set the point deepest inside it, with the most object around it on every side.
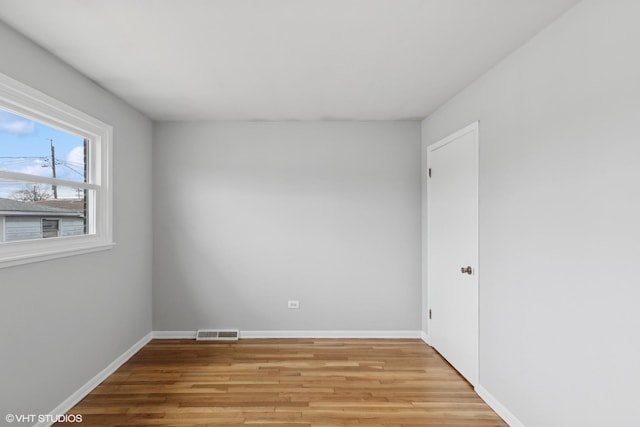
(282, 59)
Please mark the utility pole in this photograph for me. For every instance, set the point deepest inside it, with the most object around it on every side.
(54, 187)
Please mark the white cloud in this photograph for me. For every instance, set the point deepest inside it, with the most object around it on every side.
(15, 124)
(76, 156)
(36, 167)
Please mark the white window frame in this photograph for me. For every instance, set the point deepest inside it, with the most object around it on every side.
(21, 99)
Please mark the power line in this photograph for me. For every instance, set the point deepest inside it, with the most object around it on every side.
(21, 157)
(69, 167)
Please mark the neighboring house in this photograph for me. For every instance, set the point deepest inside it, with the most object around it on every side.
(37, 220)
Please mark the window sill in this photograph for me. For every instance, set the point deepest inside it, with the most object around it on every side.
(9, 257)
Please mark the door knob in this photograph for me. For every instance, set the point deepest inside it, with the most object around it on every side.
(467, 270)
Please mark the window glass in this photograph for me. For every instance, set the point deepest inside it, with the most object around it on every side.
(38, 210)
(50, 228)
(30, 147)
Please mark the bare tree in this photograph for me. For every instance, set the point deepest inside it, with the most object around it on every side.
(32, 193)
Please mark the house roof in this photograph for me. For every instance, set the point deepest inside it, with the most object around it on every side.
(66, 204)
(10, 207)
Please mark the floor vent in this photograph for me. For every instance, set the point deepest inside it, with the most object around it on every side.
(217, 335)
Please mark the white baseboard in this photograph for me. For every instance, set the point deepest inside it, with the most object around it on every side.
(298, 334)
(500, 409)
(76, 397)
(425, 338)
(330, 334)
(174, 335)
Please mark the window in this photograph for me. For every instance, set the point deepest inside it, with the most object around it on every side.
(55, 178)
(50, 228)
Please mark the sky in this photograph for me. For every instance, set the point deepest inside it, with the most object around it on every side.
(25, 147)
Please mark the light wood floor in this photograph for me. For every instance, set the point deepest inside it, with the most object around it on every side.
(289, 382)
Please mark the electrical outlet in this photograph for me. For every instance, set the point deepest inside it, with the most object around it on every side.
(293, 304)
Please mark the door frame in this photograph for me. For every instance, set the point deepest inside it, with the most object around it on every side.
(475, 128)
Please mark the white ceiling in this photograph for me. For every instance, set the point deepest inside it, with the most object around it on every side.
(282, 59)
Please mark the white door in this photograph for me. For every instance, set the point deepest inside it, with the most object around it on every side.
(452, 245)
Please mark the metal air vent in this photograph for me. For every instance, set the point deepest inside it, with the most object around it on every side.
(217, 335)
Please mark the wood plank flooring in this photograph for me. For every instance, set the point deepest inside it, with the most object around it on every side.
(286, 382)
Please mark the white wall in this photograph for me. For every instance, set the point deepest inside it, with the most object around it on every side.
(560, 219)
(63, 321)
(248, 215)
